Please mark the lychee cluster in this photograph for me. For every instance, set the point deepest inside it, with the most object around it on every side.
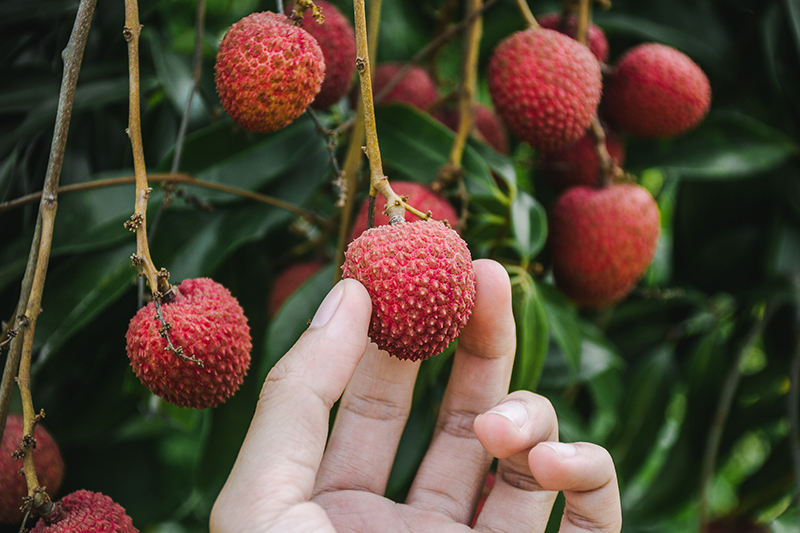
(206, 324)
(84, 512)
(421, 280)
(268, 71)
(46, 456)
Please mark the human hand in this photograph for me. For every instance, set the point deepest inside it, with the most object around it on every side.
(286, 479)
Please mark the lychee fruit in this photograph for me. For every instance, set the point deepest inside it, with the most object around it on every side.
(268, 71)
(84, 512)
(288, 281)
(336, 38)
(415, 88)
(655, 91)
(545, 86)
(595, 36)
(207, 323)
(421, 280)
(419, 196)
(603, 240)
(46, 457)
(487, 127)
(578, 163)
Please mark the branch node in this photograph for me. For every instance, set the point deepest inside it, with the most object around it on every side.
(135, 222)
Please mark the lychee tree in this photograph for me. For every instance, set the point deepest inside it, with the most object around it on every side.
(689, 376)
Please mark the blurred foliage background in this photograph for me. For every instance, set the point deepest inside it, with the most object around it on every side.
(718, 309)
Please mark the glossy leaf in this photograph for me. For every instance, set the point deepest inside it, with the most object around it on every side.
(529, 223)
(532, 335)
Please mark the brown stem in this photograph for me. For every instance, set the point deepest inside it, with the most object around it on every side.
(584, 15)
(609, 169)
(526, 13)
(176, 178)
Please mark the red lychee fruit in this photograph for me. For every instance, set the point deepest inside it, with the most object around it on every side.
(288, 281)
(545, 86)
(595, 36)
(419, 196)
(415, 88)
(46, 457)
(655, 91)
(209, 325)
(88, 512)
(487, 128)
(337, 39)
(268, 70)
(578, 163)
(421, 280)
(602, 241)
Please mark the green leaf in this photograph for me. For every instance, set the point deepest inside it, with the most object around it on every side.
(562, 315)
(529, 223)
(793, 10)
(532, 335)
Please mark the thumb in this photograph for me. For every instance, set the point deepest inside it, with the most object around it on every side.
(286, 439)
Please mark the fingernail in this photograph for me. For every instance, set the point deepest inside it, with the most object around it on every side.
(328, 306)
(563, 449)
(514, 411)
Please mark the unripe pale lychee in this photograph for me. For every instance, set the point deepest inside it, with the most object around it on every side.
(421, 280)
(419, 196)
(545, 86)
(46, 457)
(578, 163)
(656, 91)
(288, 281)
(595, 36)
(415, 88)
(602, 241)
(268, 70)
(208, 323)
(88, 512)
(337, 40)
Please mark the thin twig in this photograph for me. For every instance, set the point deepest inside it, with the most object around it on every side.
(584, 15)
(723, 410)
(526, 13)
(177, 178)
(330, 137)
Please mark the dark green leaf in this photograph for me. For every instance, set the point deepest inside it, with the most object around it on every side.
(565, 329)
(529, 222)
(532, 335)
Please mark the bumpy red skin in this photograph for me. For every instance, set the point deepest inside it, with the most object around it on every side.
(416, 88)
(545, 86)
(89, 512)
(487, 128)
(209, 324)
(602, 242)
(337, 40)
(655, 91)
(418, 195)
(289, 281)
(49, 468)
(268, 71)
(421, 280)
(596, 37)
(578, 163)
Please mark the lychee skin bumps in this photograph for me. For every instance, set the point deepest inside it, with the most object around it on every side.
(545, 86)
(208, 323)
(267, 72)
(595, 36)
(337, 40)
(655, 91)
(602, 241)
(85, 512)
(49, 468)
(421, 280)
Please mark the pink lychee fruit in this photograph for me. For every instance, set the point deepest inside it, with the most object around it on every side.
(336, 38)
(88, 512)
(268, 71)
(655, 91)
(595, 36)
(545, 86)
(288, 281)
(578, 163)
(421, 280)
(419, 196)
(487, 127)
(415, 88)
(46, 457)
(207, 323)
(603, 240)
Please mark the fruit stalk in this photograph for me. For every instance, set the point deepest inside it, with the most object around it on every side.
(30, 304)
(138, 221)
(526, 12)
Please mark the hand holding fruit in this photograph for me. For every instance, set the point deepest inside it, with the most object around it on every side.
(287, 478)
